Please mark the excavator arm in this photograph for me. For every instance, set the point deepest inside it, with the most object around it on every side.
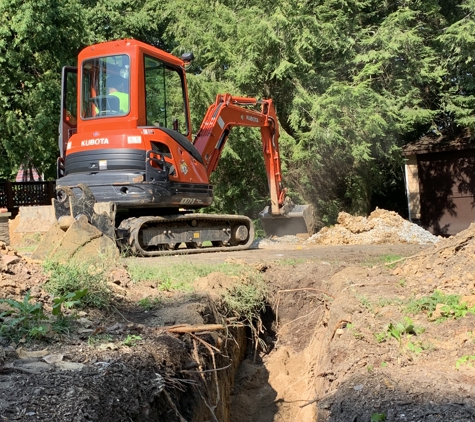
(229, 111)
(282, 217)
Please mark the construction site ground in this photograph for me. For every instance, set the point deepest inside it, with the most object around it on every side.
(355, 330)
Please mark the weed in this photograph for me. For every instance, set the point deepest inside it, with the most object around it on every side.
(414, 347)
(68, 301)
(245, 300)
(397, 331)
(365, 302)
(383, 364)
(382, 302)
(74, 277)
(378, 417)
(351, 327)
(23, 319)
(28, 320)
(132, 340)
(402, 282)
(167, 285)
(465, 360)
(98, 338)
(387, 259)
(380, 337)
(384, 259)
(370, 368)
(452, 309)
(149, 303)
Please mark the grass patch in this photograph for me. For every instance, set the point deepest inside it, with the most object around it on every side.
(149, 302)
(181, 276)
(452, 307)
(382, 260)
(70, 277)
(96, 339)
(291, 261)
(245, 300)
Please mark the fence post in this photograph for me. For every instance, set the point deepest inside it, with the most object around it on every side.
(51, 191)
(9, 193)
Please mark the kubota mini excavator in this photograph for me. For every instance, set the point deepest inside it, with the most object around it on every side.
(126, 140)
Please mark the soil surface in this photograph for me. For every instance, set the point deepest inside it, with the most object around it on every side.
(352, 332)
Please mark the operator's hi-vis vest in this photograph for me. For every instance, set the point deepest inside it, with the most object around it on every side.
(123, 100)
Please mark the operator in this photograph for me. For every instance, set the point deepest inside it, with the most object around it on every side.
(115, 88)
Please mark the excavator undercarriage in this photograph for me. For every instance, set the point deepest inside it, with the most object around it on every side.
(183, 233)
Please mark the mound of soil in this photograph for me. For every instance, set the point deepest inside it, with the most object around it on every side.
(381, 227)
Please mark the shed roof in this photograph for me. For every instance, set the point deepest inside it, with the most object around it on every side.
(446, 140)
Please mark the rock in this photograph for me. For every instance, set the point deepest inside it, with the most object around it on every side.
(53, 358)
(85, 322)
(10, 260)
(69, 366)
(469, 300)
(439, 312)
(27, 354)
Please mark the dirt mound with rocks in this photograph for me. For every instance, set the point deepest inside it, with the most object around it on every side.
(448, 266)
(381, 227)
(17, 275)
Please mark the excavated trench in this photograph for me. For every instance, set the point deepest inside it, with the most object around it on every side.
(243, 383)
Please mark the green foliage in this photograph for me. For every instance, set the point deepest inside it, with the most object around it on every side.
(23, 319)
(452, 309)
(68, 301)
(377, 417)
(352, 83)
(131, 340)
(86, 281)
(149, 303)
(398, 330)
(466, 360)
(36, 39)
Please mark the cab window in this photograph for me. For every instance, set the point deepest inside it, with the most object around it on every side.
(105, 86)
(164, 96)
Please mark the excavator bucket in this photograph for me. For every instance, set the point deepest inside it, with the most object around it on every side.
(299, 221)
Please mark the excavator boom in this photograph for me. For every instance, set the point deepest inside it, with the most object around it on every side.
(282, 217)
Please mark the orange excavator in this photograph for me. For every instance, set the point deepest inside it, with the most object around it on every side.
(126, 141)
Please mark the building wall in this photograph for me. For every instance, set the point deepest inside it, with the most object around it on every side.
(447, 190)
(412, 188)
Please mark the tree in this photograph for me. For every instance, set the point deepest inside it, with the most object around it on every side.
(36, 39)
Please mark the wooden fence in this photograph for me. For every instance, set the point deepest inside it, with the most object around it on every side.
(18, 194)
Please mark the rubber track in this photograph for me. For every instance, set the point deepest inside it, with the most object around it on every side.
(133, 225)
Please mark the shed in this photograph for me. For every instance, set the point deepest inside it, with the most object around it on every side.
(440, 181)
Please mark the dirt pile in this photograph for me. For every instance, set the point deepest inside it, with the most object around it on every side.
(448, 266)
(381, 227)
(17, 276)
